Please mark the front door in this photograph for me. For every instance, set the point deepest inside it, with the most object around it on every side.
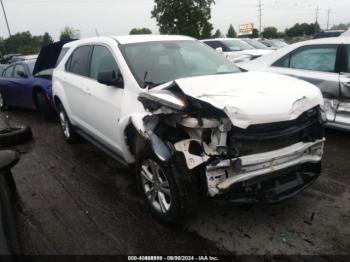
(104, 101)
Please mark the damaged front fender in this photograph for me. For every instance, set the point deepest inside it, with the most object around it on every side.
(145, 125)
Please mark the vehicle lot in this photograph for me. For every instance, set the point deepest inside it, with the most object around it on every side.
(77, 201)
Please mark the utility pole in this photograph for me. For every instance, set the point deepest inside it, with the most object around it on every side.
(260, 16)
(7, 23)
(328, 14)
(316, 23)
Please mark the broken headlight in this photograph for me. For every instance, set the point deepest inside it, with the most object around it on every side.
(157, 99)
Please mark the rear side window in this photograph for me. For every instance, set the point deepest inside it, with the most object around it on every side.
(62, 53)
(102, 60)
(79, 61)
(313, 58)
(8, 72)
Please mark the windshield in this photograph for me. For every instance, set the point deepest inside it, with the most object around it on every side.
(154, 63)
(31, 66)
(237, 45)
(278, 43)
(255, 44)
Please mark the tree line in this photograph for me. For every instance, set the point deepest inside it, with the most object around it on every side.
(183, 17)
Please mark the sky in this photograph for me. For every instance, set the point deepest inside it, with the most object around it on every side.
(118, 17)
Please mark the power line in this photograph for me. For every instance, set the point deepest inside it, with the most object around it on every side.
(7, 23)
(316, 23)
(328, 15)
(260, 15)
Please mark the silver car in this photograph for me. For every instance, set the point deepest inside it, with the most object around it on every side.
(323, 62)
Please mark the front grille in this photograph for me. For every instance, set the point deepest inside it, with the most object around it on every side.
(268, 137)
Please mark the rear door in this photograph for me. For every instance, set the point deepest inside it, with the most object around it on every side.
(76, 82)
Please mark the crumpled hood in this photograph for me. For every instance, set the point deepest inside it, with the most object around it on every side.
(253, 97)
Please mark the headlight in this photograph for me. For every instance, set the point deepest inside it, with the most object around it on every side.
(154, 100)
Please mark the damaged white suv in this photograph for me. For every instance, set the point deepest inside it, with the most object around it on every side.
(191, 122)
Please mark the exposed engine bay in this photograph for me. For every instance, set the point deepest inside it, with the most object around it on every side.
(229, 154)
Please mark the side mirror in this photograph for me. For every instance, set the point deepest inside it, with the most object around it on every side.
(110, 78)
(21, 74)
(219, 49)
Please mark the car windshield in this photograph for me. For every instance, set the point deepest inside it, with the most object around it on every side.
(237, 45)
(154, 63)
(255, 43)
(31, 65)
(278, 43)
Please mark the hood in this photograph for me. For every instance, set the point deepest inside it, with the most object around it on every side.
(257, 52)
(253, 97)
(48, 56)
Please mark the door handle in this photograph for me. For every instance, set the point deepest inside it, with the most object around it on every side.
(87, 91)
(346, 84)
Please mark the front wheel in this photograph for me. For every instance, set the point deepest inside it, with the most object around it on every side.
(67, 129)
(169, 189)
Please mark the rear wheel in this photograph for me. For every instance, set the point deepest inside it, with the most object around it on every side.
(67, 129)
(43, 105)
(2, 102)
(169, 189)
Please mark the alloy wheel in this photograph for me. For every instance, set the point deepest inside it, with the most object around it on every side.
(156, 186)
(64, 124)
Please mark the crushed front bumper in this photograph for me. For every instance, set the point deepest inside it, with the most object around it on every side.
(223, 174)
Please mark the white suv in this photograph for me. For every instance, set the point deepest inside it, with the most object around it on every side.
(191, 122)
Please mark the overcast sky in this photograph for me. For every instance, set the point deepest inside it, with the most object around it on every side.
(115, 17)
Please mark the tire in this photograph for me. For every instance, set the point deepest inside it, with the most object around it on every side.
(2, 103)
(43, 105)
(175, 195)
(68, 131)
(10, 241)
(12, 136)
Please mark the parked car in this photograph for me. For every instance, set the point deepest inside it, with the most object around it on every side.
(323, 62)
(235, 50)
(329, 33)
(191, 121)
(273, 43)
(28, 83)
(255, 43)
(7, 59)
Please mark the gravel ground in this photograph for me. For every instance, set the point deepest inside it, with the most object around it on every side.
(76, 200)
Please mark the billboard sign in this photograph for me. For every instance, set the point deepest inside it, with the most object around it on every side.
(246, 29)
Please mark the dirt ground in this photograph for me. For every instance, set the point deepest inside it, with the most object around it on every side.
(76, 200)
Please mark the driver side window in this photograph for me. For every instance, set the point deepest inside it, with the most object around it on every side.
(102, 60)
(19, 72)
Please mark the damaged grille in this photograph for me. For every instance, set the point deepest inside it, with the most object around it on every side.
(268, 137)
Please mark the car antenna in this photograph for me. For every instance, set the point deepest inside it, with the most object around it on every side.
(97, 34)
(144, 79)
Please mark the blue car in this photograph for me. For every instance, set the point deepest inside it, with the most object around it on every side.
(20, 88)
(28, 84)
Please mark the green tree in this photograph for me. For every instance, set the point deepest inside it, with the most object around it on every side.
(231, 32)
(68, 33)
(140, 31)
(47, 39)
(217, 34)
(303, 29)
(255, 33)
(341, 27)
(184, 17)
(270, 32)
